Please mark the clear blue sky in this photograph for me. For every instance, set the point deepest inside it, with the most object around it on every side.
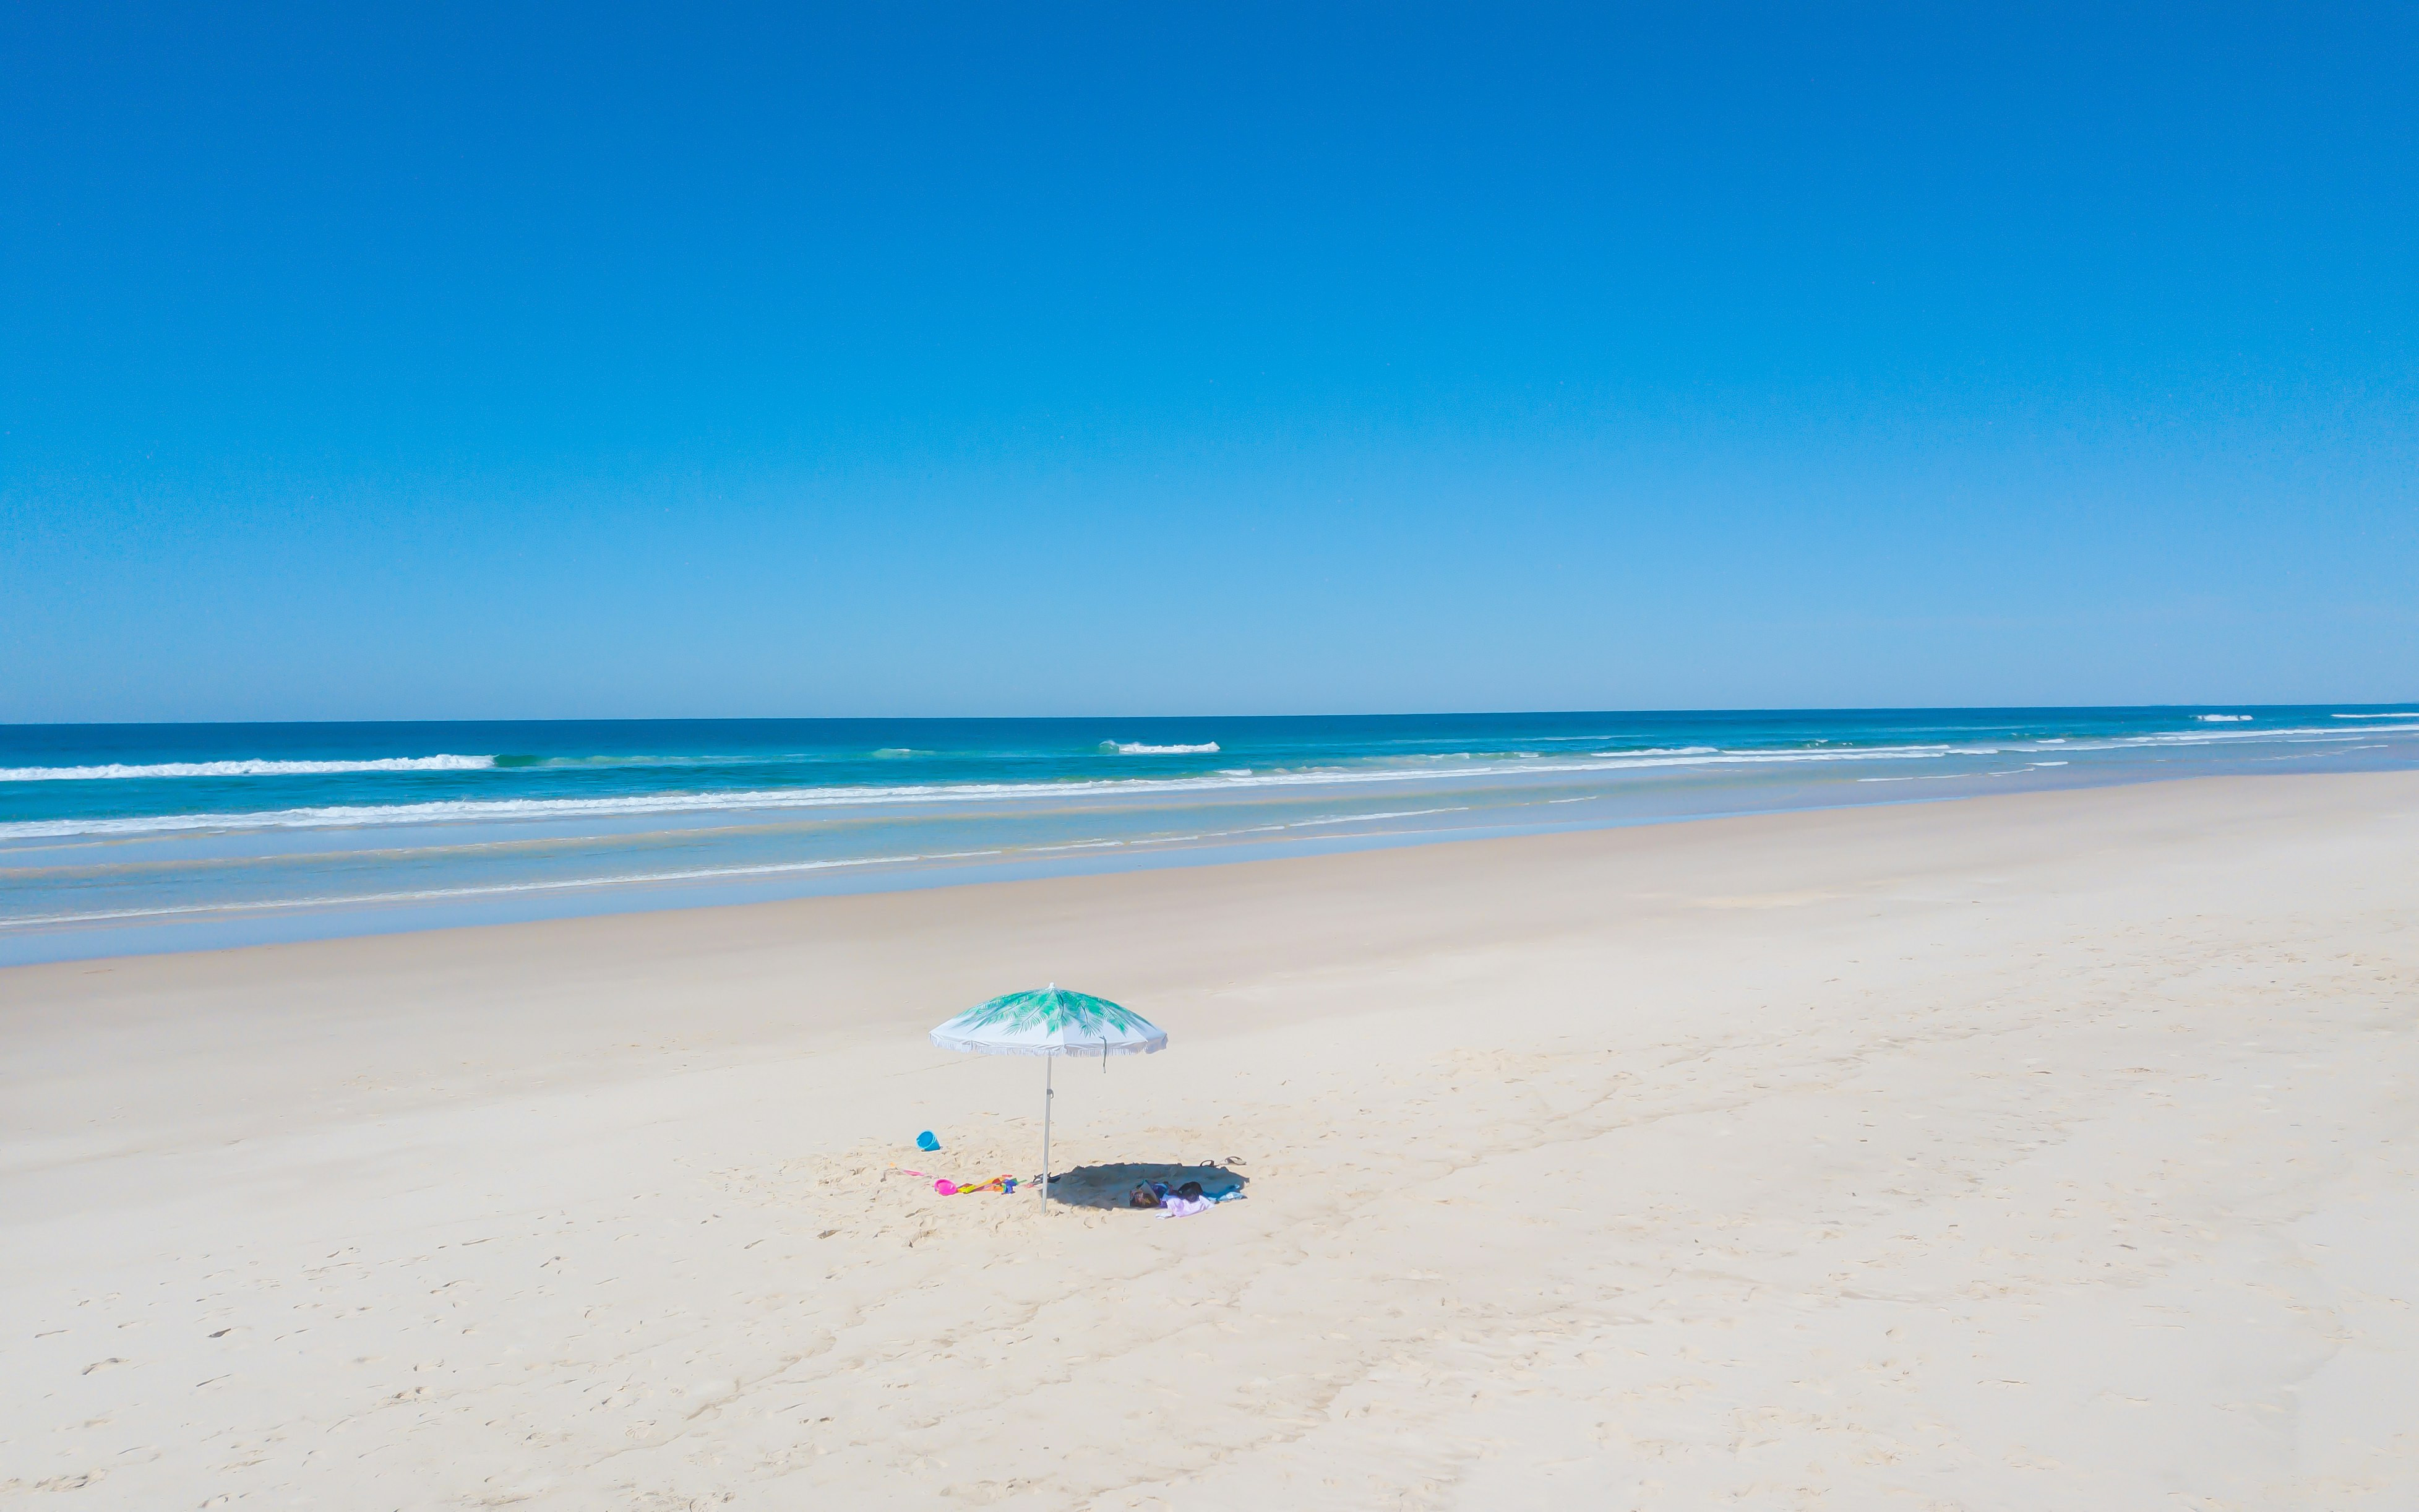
(921, 359)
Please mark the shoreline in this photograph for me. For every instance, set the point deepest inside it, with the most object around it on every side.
(1826, 1150)
(179, 931)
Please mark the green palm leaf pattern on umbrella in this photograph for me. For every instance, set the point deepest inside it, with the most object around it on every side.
(1053, 1009)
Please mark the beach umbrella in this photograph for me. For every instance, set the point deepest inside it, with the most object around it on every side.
(1051, 1023)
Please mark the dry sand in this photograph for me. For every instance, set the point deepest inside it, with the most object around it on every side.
(2051, 1151)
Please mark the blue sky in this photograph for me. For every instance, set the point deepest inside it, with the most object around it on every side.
(914, 359)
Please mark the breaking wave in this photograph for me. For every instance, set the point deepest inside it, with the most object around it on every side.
(760, 800)
(773, 799)
(389, 764)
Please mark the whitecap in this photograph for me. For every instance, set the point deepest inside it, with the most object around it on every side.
(510, 810)
(248, 768)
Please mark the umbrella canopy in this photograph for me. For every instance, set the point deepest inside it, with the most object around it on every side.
(1051, 1021)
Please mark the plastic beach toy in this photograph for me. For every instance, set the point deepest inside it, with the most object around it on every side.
(926, 1142)
(946, 1187)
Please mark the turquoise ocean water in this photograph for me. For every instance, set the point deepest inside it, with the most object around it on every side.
(132, 837)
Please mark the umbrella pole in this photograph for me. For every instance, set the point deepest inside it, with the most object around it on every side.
(1046, 1095)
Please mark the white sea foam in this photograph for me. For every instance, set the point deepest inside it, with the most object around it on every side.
(2206, 737)
(629, 879)
(389, 764)
(2223, 719)
(1364, 818)
(468, 810)
(2408, 714)
(474, 810)
(1135, 748)
(427, 894)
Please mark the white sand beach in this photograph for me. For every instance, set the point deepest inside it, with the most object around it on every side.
(2055, 1151)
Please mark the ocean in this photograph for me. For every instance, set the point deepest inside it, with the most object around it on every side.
(118, 838)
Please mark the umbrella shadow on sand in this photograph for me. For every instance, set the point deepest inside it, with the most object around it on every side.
(1112, 1185)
